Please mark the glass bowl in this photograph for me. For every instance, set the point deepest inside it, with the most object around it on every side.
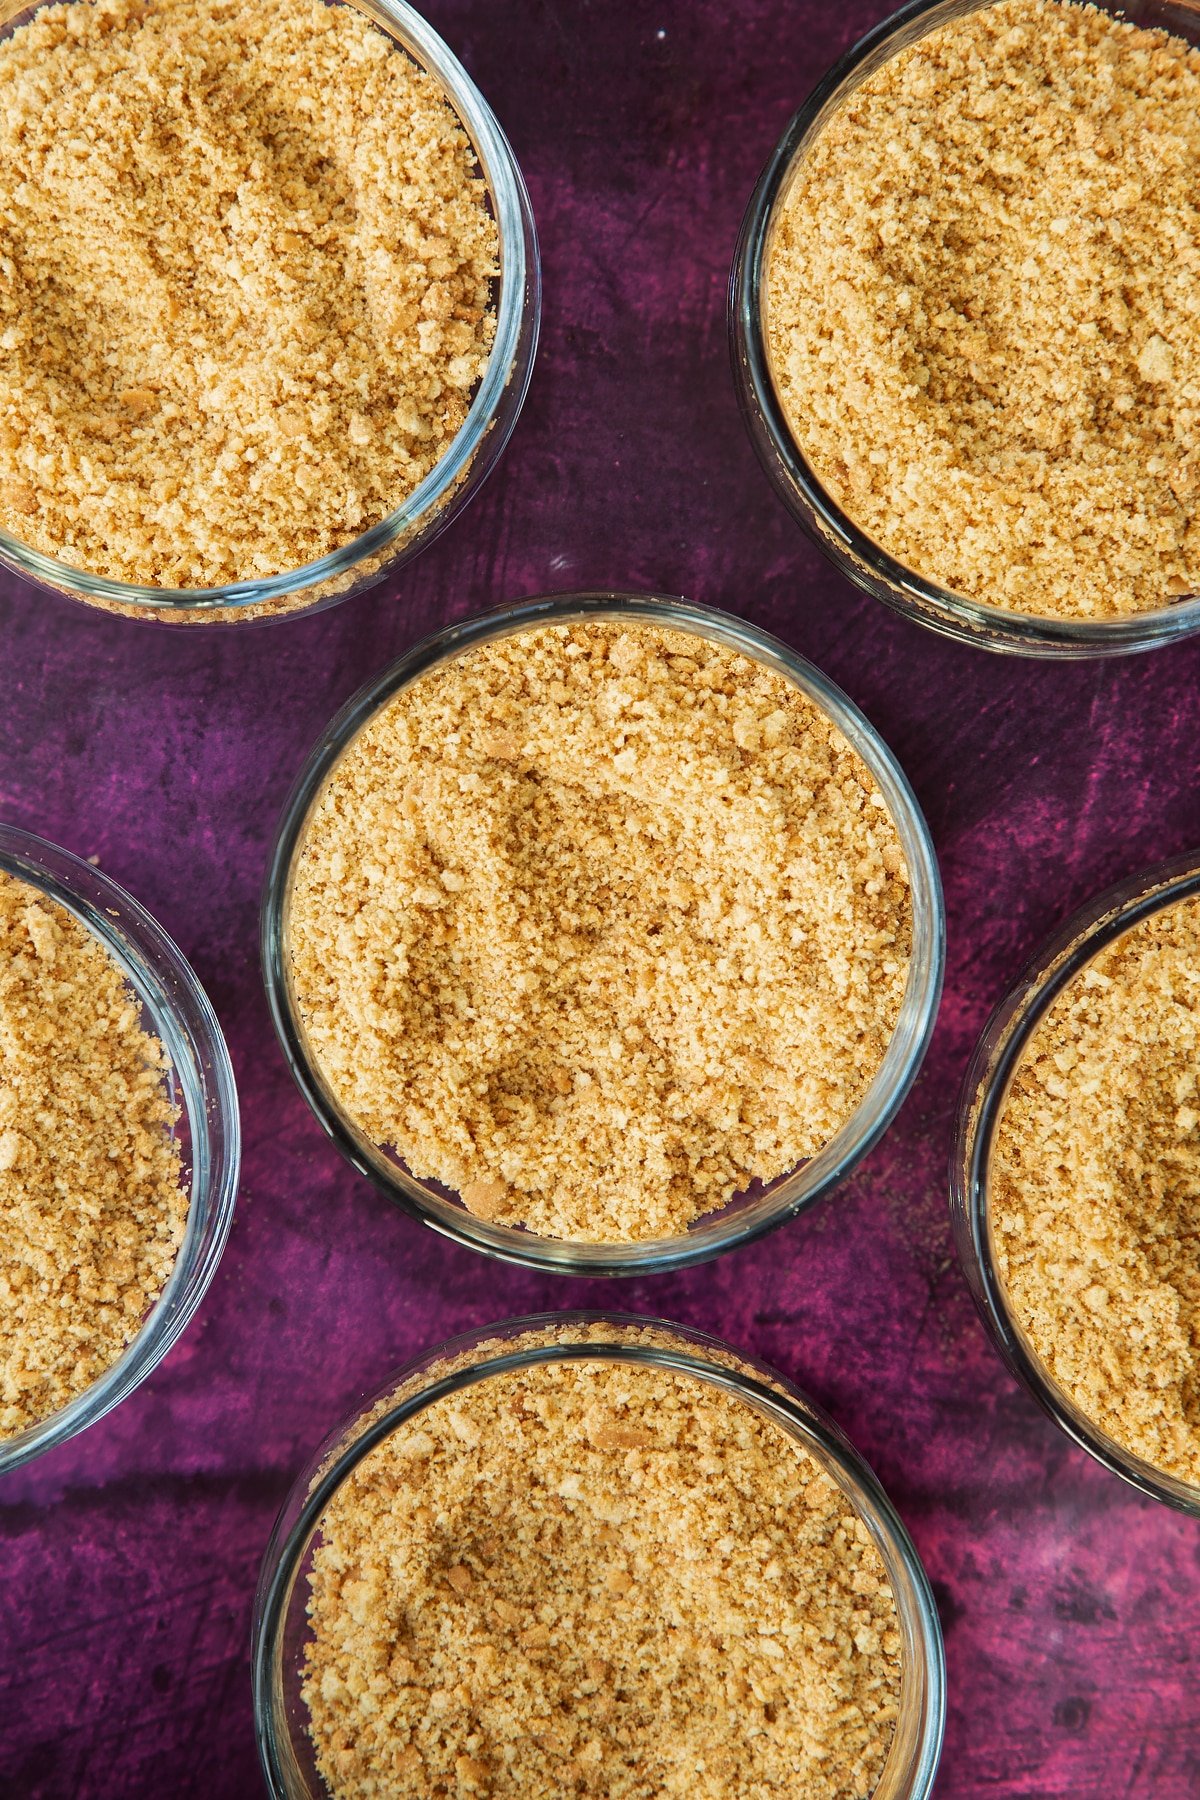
(280, 1626)
(472, 453)
(831, 529)
(200, 1083)
(744, 1218)
(981, 1105)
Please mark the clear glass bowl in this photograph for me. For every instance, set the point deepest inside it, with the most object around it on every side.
(743, 1219)
(200, 1082)
(981, 1105)
(832, 530)
(280, 1629)
(472, 453)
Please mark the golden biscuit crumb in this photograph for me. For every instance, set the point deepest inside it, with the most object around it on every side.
(982, 310)
(91, 1207)
(224, 221)
(1095, 1190)
(658, 957)
(719, 1613)
(486, 1199)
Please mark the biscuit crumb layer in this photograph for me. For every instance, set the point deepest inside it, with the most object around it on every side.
(598, 925)
(1095, 1190)
(246, 284)
(92, 1210)
(983, 310)
(597, 1579)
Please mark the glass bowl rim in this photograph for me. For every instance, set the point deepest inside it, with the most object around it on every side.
(752, 1381)
(906, 1047)
(907, 591)
(215, 1128)
(994, 1062)
(520, 299)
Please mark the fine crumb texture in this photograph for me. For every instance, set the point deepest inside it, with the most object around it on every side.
(92, 1210)
(597, 1579)
(245, 284)
(597, 925)
(983, 310)
(1095, 1190)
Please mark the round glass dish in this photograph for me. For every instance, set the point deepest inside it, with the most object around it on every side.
(200, 1081)
(749, 1216)
(471, 455)
(832, 530)
(281, 1630)
(984, 1092)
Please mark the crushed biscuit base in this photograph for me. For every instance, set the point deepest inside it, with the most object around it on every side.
(597, 1579)
(1095, 1190)
(246, 284)
(598, 925)
(91, 1207)
(983, 310)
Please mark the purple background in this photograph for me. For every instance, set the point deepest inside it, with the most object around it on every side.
(129, 1556)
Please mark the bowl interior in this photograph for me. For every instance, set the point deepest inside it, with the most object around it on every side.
(282, 1630)
(989, 1084)
(867, 562)
(494, 407)
(763, 1204)
(198, 1083)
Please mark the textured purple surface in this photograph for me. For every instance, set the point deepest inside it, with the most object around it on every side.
(129, 1556)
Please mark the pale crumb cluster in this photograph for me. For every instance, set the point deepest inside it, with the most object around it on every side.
(246, 275)
(598, 925)
(91, 1207)
(983, 310)
(597, 1579)
(1095, 1190)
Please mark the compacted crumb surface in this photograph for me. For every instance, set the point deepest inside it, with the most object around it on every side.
(91, 1207)
(597, 1579)
(246, 262)
(596, 925)
(1096, 1190)
(984, 310)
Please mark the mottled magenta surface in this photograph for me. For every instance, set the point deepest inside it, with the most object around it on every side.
(129, 1557)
